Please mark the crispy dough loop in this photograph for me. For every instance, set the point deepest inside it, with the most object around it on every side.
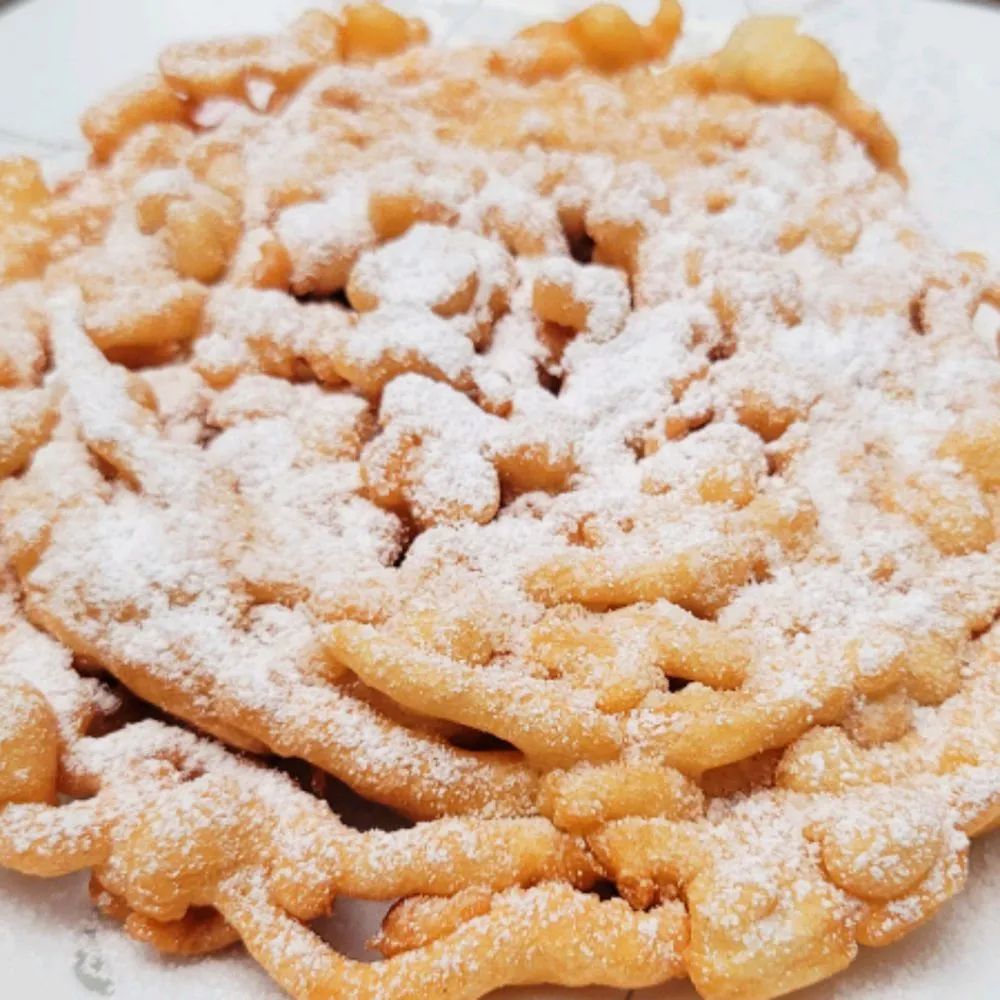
(554, 932)
(602, 37)
(27, 222)
(790, 920)
(540, 719)
(419, 920)
(217, 827)
(699, 577)
(768, 59)
(50, 841)
(148, 100)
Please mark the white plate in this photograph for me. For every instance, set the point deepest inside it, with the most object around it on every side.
(931, 66)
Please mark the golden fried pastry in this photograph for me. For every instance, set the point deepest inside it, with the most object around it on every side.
(591, 458)
(181, 836)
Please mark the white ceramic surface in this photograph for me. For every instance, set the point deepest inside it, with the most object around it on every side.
(931, 65)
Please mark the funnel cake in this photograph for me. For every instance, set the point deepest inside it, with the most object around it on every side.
(592, 458)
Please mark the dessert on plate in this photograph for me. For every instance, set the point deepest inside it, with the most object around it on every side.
(591, 457)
